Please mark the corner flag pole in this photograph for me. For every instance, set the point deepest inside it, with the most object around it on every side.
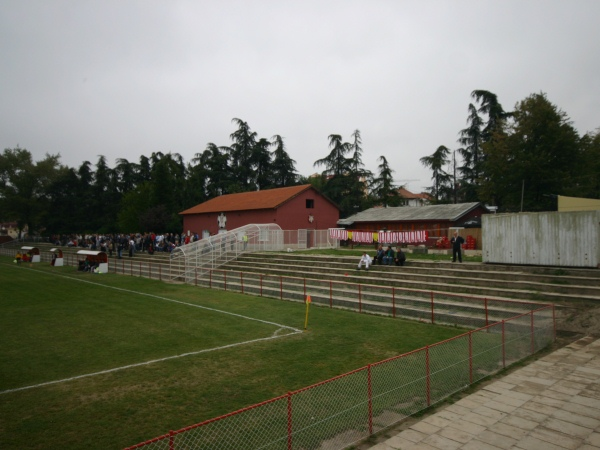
(308, 301)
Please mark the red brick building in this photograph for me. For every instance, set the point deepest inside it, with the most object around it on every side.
(292, 208)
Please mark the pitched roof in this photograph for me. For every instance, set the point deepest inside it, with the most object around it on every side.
(244, 201)
(405, 193)
(411, 213)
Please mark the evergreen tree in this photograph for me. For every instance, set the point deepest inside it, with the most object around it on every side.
(442, 181)
(383, 189)
(261, 162)
(240, 157)
(284, 172)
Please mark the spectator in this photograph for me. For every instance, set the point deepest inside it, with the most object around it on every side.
(366, 260)
(379, 255)
(389, 256)
(456, 242)
(400, 258)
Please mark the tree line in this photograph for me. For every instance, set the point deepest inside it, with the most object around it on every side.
(51, 198)
(516, 160)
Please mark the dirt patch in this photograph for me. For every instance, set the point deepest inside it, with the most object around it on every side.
(580, 319)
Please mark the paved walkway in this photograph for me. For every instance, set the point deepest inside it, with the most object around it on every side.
(552, 403)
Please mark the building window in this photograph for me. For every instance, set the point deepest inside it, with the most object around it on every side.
(310, 203)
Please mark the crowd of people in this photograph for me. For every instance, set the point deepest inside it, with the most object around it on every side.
(126, 244)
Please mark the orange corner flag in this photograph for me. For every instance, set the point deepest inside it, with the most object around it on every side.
(307, 307)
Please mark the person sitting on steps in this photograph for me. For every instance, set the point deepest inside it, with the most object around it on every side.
(388, 259)
(400, 258)
(379, 255)
(366, 260)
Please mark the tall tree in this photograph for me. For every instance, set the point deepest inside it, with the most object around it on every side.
(261, 161)
(284, 172)
(588, 182)
(213, 166)
(471, 141)
(336, 163)
(23, 187)
(489, 105)
(479, 131)
(240, 155)
(535, 159)
(127, 175)
(103, 195)
(442, 181)
(383, 189)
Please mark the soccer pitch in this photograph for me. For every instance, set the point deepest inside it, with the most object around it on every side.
(106, 361)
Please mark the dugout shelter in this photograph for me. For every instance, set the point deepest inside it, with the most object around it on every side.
(59, 261)
(33, 252)
(95, 257)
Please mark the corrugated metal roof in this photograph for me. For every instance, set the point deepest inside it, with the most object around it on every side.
(411, 213)
(244, 201)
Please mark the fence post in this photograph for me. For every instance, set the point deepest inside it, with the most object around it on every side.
(289, 421)
(432, 313)
(470, 357)
(171, 440)
(486, 312)
(427, 377)
(370, 399)
(503, 347)
(393, 302)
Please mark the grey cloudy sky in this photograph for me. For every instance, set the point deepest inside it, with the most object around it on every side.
(125, 78)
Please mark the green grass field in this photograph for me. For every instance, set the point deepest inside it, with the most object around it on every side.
(74, 369)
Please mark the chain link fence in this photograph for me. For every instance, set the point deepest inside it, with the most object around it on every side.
(343, 410)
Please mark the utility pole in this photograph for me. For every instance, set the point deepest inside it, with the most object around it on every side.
(522, 194)
(454, 164)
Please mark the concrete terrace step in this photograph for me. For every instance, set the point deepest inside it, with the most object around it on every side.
(373, 299)
(568, 275)
(436, 277)
(428, 276)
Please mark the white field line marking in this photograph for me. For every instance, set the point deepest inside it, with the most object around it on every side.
(102, 372)
(275, 335)
(295, 330)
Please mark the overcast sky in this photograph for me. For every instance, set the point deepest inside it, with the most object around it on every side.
(124, 78)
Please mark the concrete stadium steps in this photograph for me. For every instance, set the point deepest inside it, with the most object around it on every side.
(373, 299)
(493, 281)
